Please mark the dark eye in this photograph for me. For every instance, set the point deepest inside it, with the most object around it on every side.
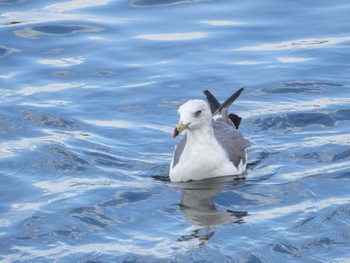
(198, 113)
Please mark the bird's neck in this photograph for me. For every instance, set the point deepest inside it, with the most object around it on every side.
(204, 133)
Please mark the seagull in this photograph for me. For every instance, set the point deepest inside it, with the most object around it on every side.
(212, 145)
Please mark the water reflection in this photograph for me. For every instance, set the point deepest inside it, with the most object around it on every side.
(54, 87)
(74, 5)
(11, 2)
(129, 125)
(31, 17)
(63, 62)
(197, 202)
(173, 36)
(222, 22)
(200, 235)
(300, 43)
(9, 75)
(154, 3)
(5, 51)
(56, 30)
(287, 107)
(293, 59)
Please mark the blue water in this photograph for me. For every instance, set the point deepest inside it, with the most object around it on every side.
(89, 94)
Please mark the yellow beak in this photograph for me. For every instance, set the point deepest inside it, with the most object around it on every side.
(179, 128)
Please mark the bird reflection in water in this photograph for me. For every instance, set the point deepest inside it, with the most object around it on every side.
(197, 202)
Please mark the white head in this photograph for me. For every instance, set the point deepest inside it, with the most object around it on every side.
(193, 115)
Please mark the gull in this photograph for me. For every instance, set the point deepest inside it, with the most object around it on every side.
(212, 145)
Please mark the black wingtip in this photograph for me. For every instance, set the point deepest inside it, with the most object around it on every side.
(236, 120)
(216, 107)
(214, 104)
(230, 100)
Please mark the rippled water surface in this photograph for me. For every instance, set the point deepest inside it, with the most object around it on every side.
(89, 94)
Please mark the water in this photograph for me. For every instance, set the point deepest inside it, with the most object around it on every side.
(89, 93)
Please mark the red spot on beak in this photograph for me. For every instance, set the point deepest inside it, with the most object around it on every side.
(175, 132)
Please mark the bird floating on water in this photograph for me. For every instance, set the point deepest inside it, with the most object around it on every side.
(212, 145)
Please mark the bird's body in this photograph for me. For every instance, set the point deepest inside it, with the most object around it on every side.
(212, 146)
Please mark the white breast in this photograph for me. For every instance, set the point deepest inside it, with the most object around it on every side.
(203, 160)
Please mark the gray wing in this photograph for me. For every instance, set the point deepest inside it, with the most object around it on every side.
(232, 141)
(179, 149)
